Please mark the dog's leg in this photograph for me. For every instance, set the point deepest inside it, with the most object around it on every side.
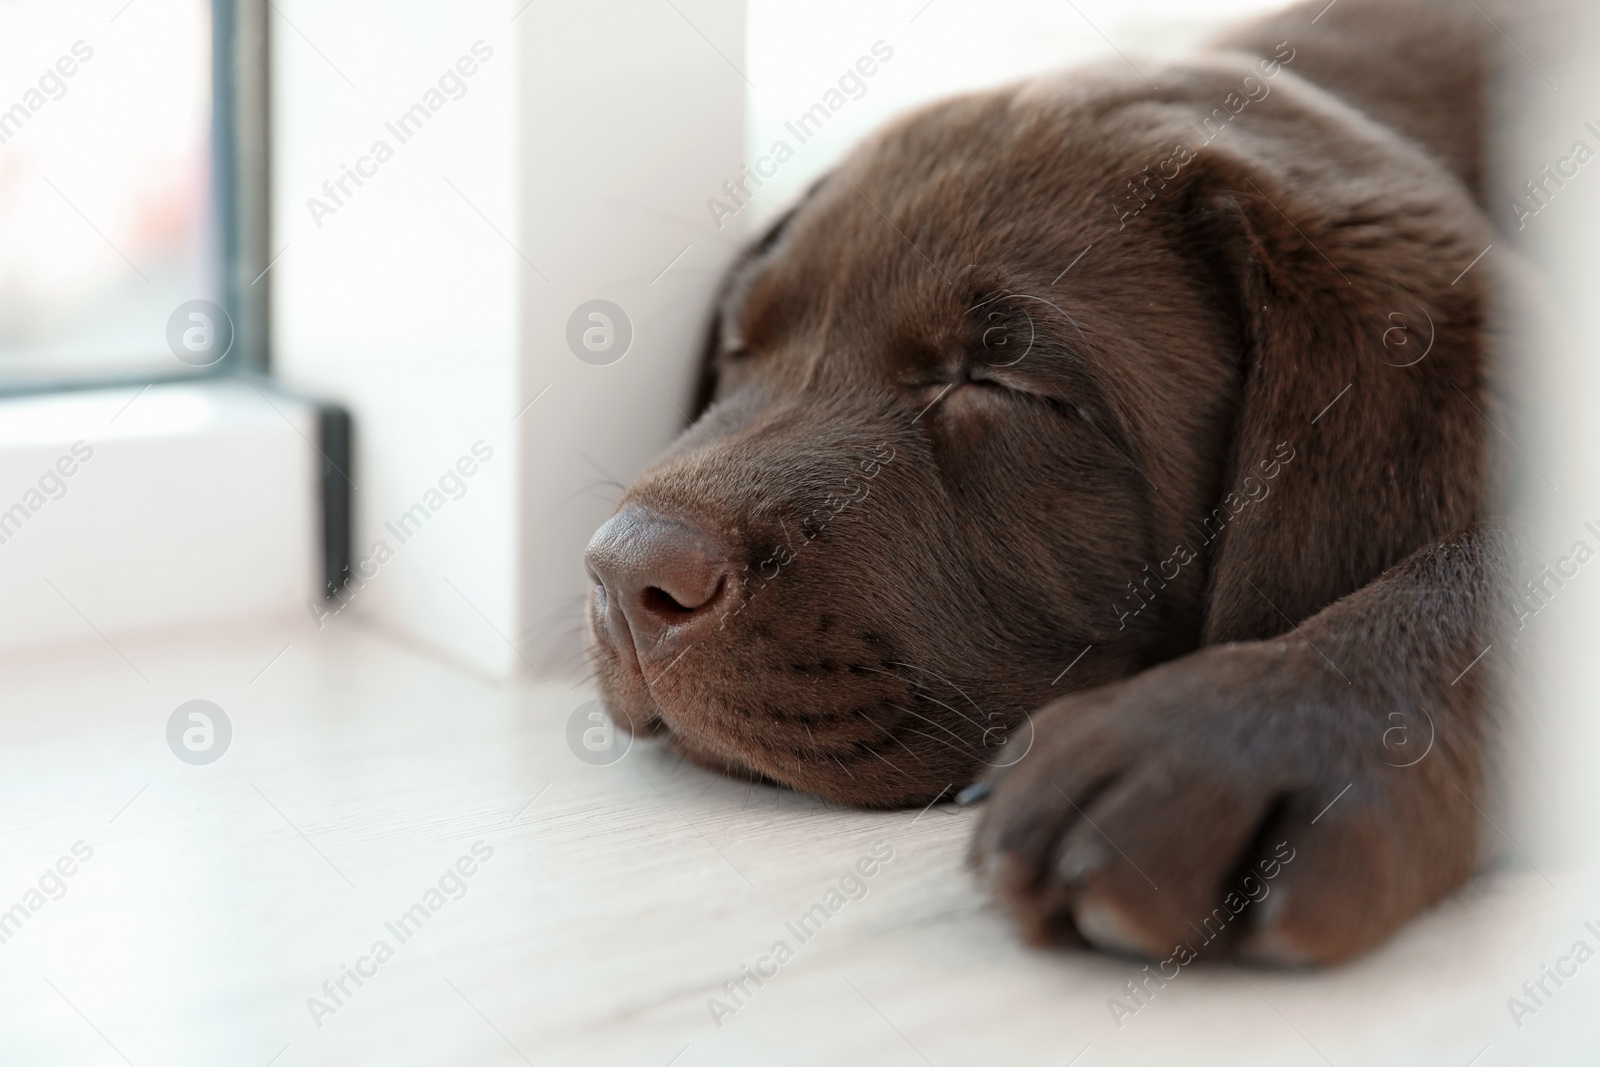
(1293, 799)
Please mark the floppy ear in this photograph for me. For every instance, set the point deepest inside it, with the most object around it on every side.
(706, 384)
(706, 380)
(1356, 440)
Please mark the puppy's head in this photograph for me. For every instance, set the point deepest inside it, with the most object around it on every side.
(961, 406)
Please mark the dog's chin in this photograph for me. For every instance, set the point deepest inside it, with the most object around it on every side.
(713, 760)
(691, 715)
(862, 788)
(635, 710)
(626, 696)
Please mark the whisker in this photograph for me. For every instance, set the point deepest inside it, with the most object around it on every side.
(610, 479)
(565, 605)
(897, 770)
(965, 717)
(588, 491)
(936, 700)
(895, 739)
(946, 681)
(939, 740)
(929, 721)
(585, 649)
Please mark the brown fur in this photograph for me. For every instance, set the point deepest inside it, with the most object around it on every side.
(935, 468)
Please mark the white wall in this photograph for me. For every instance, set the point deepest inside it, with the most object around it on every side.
(434, 303)
(632, 115)
(798, 52)
(403, 302)
(1557, 820)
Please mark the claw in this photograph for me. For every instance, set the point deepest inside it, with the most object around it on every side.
(1081, 862)
(1103, 925)
(976, 793)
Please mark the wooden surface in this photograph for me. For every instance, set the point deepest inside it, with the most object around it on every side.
(617, 900)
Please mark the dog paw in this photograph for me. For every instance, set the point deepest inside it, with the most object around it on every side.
(1230, 802)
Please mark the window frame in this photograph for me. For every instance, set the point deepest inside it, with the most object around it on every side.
(240, 148)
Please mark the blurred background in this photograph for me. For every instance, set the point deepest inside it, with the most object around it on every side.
(295, 304)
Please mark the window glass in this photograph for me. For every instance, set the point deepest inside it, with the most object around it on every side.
(108, 221)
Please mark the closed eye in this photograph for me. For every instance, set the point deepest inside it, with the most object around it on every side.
(1029, 396)
(1003, 389)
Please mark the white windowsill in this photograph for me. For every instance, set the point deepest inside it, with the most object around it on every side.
(123, 509)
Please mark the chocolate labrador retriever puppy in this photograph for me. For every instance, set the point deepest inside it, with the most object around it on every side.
(1137, 421)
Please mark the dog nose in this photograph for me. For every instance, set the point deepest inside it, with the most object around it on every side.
(654, 573)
